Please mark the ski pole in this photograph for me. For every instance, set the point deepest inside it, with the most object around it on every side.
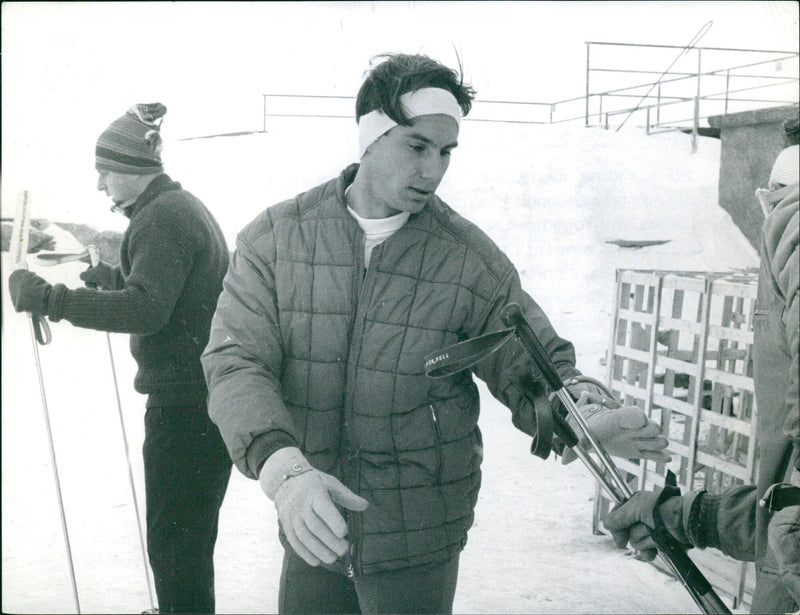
(95, 259)
(19, 252)
(672, 552)
(64, 529)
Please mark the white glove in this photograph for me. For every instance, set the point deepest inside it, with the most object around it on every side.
(305, 499)
(624, 431)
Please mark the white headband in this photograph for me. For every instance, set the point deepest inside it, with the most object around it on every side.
(425, 101)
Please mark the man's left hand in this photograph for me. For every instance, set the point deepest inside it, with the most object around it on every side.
(624, 431)
(29, 292)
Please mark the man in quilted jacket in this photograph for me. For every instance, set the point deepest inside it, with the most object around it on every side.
(315, 363)
(760, 522)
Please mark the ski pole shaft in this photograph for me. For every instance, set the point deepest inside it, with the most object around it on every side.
(18, 252)
(64, 530)
(95, 259)
(672, 552)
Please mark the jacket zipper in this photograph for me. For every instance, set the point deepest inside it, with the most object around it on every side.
(362, 279)
(439, 452)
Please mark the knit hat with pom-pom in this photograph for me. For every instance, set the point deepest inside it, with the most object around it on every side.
(132, 143)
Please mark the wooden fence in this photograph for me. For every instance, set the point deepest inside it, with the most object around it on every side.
(681, 350)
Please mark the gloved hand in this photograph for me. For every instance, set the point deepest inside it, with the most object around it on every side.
(624, 431)
(305, 499)
(102, 276)
(29, 292)
(632, 522)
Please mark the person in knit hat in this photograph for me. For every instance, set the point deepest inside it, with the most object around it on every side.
(173, 257)
(132, 144)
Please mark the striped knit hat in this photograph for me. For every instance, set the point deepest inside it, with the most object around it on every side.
(132, 143)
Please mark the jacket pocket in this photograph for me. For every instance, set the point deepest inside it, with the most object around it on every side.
(437, 435)
(761, 309)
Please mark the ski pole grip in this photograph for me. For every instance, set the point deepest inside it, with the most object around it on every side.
(512, 316)
(94, 255)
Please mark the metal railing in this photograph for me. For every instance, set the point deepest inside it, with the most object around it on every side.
(682, 98)
(701, 82)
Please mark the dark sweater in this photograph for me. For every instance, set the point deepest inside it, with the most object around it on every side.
(172, 260)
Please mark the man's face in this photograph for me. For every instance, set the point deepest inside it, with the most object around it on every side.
(120, 187)
(403, 168)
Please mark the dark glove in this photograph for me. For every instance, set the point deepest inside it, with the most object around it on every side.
(632, 522)
(102, 276)
(29, 292)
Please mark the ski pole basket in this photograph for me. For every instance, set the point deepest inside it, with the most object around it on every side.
(681, 350)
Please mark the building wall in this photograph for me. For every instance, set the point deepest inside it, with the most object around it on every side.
(750, 143)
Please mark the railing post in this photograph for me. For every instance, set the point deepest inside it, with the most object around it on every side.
(600, 110)
(264, 114)
(696, 121)
(587, 84)
(647, 127)
(727, 88)
(658, 107)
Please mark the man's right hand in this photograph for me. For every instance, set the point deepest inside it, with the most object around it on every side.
(100, 276)
(306, 500)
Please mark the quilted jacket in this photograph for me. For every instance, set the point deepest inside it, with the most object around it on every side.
(308, 349)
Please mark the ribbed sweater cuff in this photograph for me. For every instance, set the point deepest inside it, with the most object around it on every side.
(701, 527)
(55, 302)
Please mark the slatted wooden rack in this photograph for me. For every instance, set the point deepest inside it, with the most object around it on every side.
(681, 349)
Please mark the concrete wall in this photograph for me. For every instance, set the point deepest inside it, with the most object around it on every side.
(750, 143)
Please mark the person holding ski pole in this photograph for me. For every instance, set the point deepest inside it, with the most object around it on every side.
(173, 257)
(315, 362)
(758, 522)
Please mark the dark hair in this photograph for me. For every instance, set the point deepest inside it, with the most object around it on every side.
(397, 74)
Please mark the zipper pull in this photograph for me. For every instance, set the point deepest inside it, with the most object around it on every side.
(350, 572)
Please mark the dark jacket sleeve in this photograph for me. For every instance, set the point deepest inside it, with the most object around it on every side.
(726, 521)
(244, 357)
(510, 373)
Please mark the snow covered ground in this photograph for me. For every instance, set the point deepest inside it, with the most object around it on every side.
(551, 197)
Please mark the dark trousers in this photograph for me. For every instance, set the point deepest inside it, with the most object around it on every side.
(421, 589)
(186, 469)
